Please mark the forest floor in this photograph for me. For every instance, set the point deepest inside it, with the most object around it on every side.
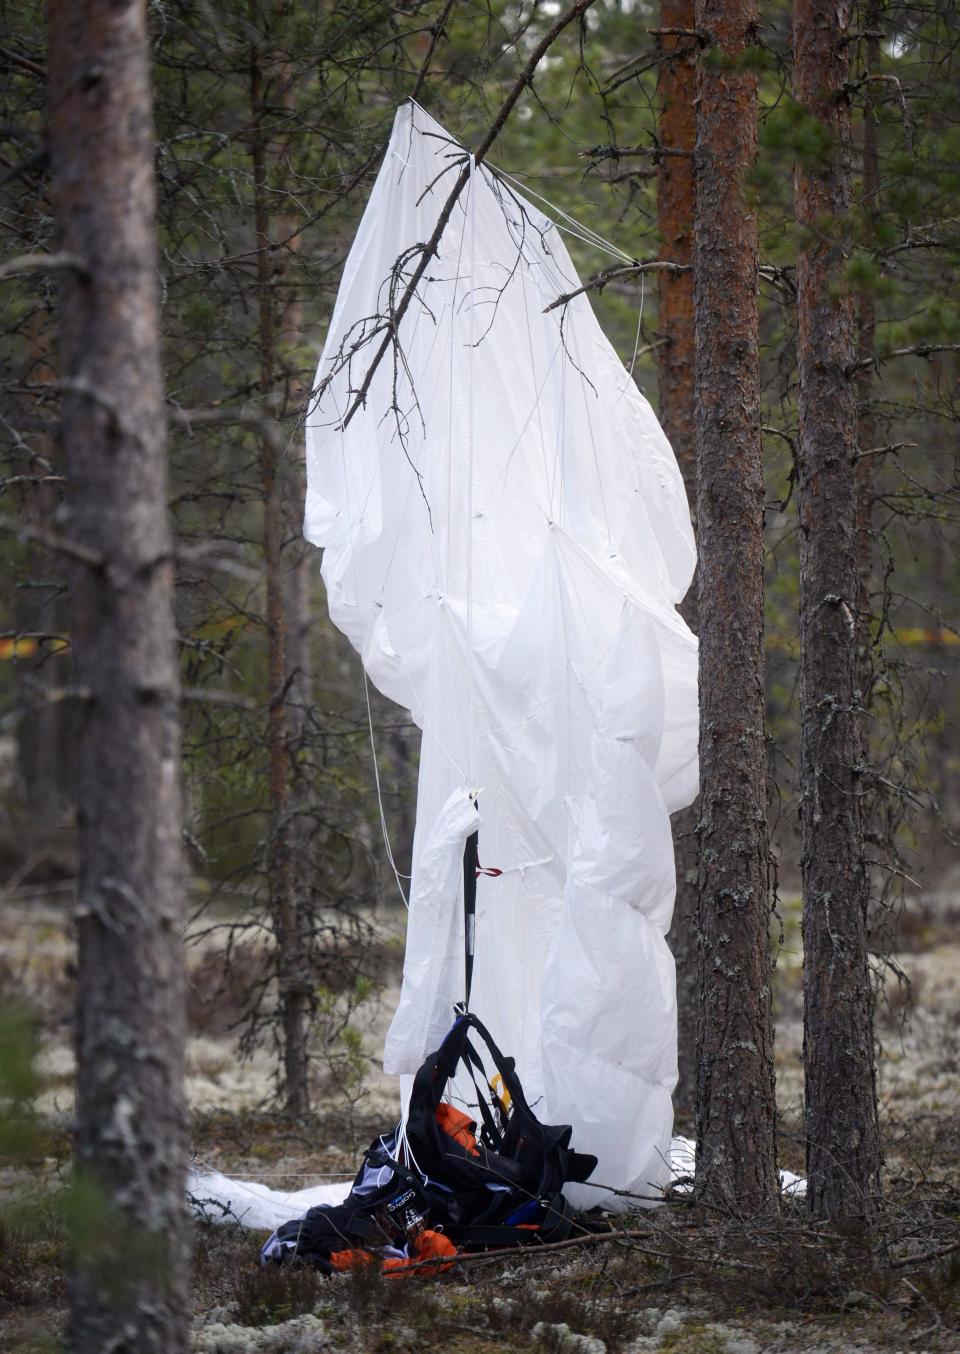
(686, 1282)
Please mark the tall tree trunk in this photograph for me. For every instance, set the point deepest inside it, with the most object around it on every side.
(675, 376)
(866, 345)
(292, 984)
(130, 1286)
(736, 1109)
(42, 729)
(843, 1146)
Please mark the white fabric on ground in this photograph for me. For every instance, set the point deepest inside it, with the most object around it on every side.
(506, 537)
(216, 1198)
(683, 1160)
(220, 1199)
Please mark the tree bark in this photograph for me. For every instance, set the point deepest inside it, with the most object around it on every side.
(843, 1145)
(866, 349)
(130, 1284)
(293, 987)
(675, 377)
(44, 755)
(736, 1110)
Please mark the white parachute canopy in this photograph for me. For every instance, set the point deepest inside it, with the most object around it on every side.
(506, 537)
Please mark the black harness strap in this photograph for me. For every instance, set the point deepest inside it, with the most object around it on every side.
(471, 863)
(558, 1223)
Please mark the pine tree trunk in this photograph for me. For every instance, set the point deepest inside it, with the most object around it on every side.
(675, 376)
(130, 1285)
(736, 1110)
(293, 988)
(866, 348)
(843, 1148)
(44, 759)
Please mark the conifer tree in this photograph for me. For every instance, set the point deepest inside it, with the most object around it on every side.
(843, 1143)
(736, 1108)
(130, 1285)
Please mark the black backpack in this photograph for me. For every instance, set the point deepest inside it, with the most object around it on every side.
(502, 1187)
(506, 1188)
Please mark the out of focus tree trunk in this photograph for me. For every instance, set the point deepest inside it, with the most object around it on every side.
(843, 1143)
(43, 723)
(130, 1284)
(736, 1109)
(284, 910)
(675, 376)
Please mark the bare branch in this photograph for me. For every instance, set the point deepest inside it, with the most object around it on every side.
(917, 350)
(613, 274)
(392, 324)
(884, 451)
(267, 427)
(620, 152)
(53, 541)
(43, 263)
(209, 697)
(436, 34)
(23, 62)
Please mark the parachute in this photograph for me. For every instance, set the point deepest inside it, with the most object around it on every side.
(505, 539)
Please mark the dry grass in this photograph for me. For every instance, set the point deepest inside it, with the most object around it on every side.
(692, 1283)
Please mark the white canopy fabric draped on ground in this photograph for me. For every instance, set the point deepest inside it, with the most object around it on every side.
(506, 537)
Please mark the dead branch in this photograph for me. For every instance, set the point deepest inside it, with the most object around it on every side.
(204, 697)
(53, 541)
(916, 350)
(613, 274)
(43, 263)
(620, 152)
(391, 324)
(885, 451)
(436, 33)
(925, 1257)
(23, 62)
(678, 33)
(267, 427)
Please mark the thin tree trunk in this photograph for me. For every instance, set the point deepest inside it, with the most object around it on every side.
(675, 376)
(42, 729)
(298, 569)
(293, 989)
(866, 348)
(843, 1146)
(736, 1110)
(130, 1285)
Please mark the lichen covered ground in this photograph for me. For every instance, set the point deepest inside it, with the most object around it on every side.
(685, 1282)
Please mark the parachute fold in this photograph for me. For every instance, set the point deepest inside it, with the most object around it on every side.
(506, 537)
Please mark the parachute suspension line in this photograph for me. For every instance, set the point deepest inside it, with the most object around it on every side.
(366, 684)
(376, 776)
(533, 367)
(471, 854)
(584, 233)
(593, 442)
(471, 663)
(636, 341)
(573, 227)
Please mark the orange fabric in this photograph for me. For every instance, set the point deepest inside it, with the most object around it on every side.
(433, 1245)
(344, 1260)
(429, 1245)
(458, 1125)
